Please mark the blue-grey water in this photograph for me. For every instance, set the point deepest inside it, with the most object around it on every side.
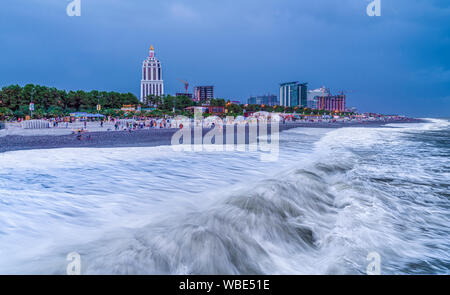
(333, 196)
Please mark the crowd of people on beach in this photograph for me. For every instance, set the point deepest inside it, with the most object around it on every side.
(79, 126)
(116, 124)
(141, 124)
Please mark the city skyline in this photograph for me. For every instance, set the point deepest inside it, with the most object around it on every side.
(389, 67)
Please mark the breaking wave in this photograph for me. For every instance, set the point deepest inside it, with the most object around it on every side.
(333, 197)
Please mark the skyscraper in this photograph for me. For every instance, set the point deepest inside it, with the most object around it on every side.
(152, 82)
(203, 93)
(293, 94)
(332, 103)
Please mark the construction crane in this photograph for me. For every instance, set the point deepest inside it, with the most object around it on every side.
(186, 84)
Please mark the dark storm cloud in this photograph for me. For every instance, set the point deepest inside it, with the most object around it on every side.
(396, 63)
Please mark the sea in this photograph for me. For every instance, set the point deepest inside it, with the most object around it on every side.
(333, 197)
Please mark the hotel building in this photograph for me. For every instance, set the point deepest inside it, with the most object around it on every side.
(331, 103)
(152, 82)
(293, 94)
(203, 93)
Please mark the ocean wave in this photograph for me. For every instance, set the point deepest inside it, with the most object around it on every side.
(319, 210)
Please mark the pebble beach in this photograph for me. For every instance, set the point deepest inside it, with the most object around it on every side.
(15, 138)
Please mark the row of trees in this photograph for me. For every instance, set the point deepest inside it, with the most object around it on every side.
(168, 102)
(52, 102)
(15, 100)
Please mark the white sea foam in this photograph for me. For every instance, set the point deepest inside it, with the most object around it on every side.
(334, 196)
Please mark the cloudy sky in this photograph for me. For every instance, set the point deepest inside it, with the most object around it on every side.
(396, 63)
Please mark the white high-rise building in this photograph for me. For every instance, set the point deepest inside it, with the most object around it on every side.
(152, 82)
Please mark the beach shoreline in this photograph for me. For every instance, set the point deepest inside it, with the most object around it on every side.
(143, 137)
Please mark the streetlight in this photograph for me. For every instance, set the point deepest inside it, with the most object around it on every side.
(32, 103)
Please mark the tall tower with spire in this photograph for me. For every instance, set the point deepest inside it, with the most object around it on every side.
(152, 83)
